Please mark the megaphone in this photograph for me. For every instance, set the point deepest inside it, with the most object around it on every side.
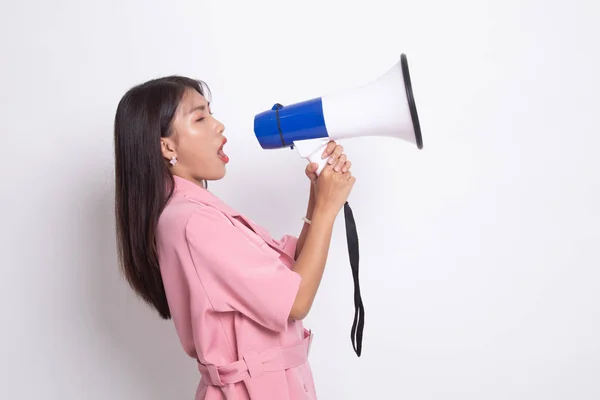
(383, 107)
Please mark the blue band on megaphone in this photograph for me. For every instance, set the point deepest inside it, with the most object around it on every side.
(282, 125)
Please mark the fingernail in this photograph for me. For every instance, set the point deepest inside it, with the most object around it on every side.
(330, 161)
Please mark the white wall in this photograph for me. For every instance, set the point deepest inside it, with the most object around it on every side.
(479, 272)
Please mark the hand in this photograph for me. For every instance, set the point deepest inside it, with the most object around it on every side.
(336, 158)
(334, 184)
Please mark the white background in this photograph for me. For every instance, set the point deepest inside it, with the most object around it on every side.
(479, 270)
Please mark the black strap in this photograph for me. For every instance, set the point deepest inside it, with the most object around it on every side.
(277, 106)
(359, 312)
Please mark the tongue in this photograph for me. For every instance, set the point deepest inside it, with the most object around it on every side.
(222, 155)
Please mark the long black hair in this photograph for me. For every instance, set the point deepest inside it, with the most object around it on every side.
(143, 182)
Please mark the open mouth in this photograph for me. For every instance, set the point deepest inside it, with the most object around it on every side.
(222, 156)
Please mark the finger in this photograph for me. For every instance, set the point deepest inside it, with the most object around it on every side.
(328, 149)
(311, 170)
(337, 152)
(315, 169)
(347, 166)
(327, 168)
(340, 162)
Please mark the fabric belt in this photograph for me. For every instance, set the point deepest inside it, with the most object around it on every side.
(253, 363)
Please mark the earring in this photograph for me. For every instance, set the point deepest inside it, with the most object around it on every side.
(173, 160)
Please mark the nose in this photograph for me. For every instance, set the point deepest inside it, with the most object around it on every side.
(219, 126)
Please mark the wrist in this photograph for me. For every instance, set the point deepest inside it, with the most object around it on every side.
(311, 200)
(323, 211)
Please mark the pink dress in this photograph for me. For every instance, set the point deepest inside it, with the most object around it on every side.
(230, 288)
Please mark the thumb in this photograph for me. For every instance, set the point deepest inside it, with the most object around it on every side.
(312, 167)
(314, 176)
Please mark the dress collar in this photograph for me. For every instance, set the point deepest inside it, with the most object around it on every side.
(193, 190)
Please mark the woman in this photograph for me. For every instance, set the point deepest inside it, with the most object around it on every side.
(237, 296)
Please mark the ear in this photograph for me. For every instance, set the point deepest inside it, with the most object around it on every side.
(167, 146)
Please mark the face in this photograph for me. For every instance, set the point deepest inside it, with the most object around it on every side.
(197, 141)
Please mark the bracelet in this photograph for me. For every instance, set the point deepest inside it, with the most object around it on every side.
(308, 221)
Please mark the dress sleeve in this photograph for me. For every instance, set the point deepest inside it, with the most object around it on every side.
(239, 275)
(288, 245)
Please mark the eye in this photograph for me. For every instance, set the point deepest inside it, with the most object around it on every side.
(203, 117)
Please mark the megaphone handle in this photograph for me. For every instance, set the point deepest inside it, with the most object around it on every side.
(316, 157)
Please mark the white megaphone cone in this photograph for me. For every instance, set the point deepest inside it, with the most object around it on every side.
(383, 107)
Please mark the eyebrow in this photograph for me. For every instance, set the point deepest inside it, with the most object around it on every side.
(197, 108)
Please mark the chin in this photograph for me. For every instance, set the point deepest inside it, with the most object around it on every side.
(217, 175)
